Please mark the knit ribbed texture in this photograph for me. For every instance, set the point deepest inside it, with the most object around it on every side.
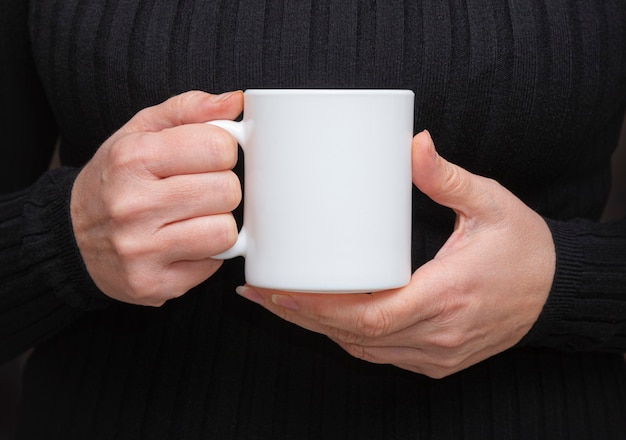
(586, 309)
(40, 260)
(530, 93)
(28, 131)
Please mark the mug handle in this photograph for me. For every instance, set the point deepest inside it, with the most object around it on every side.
(236, 129)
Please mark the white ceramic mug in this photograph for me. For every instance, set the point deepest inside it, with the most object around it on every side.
(327, 193)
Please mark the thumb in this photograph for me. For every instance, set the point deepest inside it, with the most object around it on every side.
(447, 183)
(187, 108)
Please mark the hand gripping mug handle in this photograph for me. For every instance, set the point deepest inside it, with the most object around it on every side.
(236, 129)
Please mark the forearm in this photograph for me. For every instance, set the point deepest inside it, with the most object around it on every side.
(586, 309)
(43, 283)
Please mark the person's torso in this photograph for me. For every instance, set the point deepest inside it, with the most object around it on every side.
(530, 93)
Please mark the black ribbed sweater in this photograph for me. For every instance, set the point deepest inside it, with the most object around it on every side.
(529, 92)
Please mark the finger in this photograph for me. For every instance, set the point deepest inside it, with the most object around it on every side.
(411, 358)
(369, 315)
(446, 183)
(174, 281)
(191, 273)
(186, 108)
(286, 307)
(186, 149)
(197, 238)
(372, 316)
(171, 200)
(188, 196)
(383, 354)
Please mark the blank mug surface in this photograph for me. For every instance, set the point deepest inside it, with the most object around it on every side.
(327, 196)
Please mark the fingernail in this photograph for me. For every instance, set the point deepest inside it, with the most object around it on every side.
(285, 301)
(432, 152)
(221, 98)
(250, 294)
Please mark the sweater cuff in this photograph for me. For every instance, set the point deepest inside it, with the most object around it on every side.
(49, 240)
(562, 298)
(587, 301)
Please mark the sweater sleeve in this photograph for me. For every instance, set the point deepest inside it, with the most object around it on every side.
(44, 284)
(586, 308)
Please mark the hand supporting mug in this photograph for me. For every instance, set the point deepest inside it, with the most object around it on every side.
(154, 203)
(479, 296)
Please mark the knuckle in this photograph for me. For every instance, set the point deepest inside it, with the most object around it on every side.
(365, 353)
(373, 322)
(231, 190)
(128, 155)
(449, 364)
(175, 105)
(436, 373)
(145, 287)
(445, 363)
(412, 368)
(230, 230)
(120, 156)
(127, 247)
(490, 191)
(347, 337)
(224, 231)
(440, 368)
(187, 98)
(454, 179)
(491, 184)
(222, 148)
(123, 209)
(140, 120)
(223, 187)
(356, 351)
(450, 340)
(117, 209)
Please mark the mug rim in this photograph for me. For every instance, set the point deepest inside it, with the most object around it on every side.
(329, 91)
